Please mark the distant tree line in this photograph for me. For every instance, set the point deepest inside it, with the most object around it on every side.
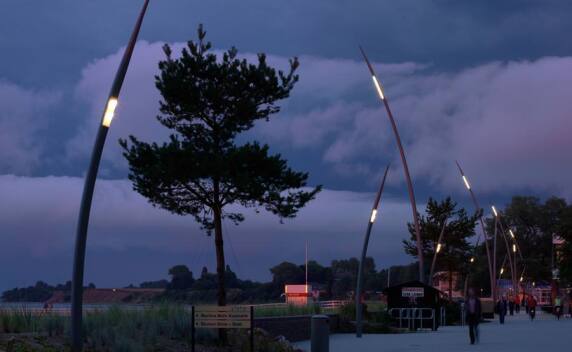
(533, 221)
(336, 281)
(40, 292)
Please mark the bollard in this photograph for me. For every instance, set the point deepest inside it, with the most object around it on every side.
(320, 332)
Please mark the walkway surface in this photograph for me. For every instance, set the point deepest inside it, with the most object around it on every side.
(544, 334)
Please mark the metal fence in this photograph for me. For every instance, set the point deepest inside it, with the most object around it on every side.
(413, 317)
(66, 310)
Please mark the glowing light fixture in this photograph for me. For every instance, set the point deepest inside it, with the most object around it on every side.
(495, 211)
(438, 247)
(521, 279)
(109, 111)
(511, 233)
(514, 248)
(373, 215)
(466, 182)
(501, 270)
(378, 87)
(472, 259)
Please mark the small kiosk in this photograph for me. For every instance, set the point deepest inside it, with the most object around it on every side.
(298, 295)
(415, 305)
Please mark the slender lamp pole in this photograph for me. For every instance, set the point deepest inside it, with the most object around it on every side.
(89, 185)
(382, 96)
(486, 237)
(306, 263)
(359, 317)
(498, 222)
(495, 255)
(437, 250)
(516, 249)
(510, 261)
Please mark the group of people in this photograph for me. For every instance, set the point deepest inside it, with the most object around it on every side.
(504, 306)
(511, 305)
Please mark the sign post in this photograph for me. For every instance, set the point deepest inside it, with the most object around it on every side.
(251, 328)
(193, 328)
(227, 317)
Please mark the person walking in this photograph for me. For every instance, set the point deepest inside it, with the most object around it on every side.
(511, 305)
(473, 314)
(517, 303)
(531, 304)
(502, 306)
(558, 307)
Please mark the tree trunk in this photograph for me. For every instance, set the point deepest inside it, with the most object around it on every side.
(220, 262)
(220, 267)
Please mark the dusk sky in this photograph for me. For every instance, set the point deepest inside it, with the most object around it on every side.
(484, 82)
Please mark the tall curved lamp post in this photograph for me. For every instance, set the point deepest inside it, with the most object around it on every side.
(510, 247)
(516, 249)
(498, 222)
(510, 257)
(89, 185)
(437, 250)
(383, 98)
(481, 221)
(359, 315)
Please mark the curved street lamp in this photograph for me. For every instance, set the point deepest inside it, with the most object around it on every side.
(515, 249)
(89, 185)
(481, 221)
(498, 224)
(359, 318)
(437, 250)
(383, 98)
(511, 263)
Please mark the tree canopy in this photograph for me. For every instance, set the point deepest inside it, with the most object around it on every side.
(207, 102)
(457, 227)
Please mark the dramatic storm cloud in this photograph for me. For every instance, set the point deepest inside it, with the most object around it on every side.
(23, 116)
(483, 82)
(505, 122)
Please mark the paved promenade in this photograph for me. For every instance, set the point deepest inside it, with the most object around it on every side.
(518, 334)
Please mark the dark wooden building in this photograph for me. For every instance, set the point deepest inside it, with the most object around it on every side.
(415, 294)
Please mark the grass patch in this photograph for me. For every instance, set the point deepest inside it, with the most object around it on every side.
(164, 327)
(287, 310)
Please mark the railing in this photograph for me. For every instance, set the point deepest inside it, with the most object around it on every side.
(332, 304)
(412, 316)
